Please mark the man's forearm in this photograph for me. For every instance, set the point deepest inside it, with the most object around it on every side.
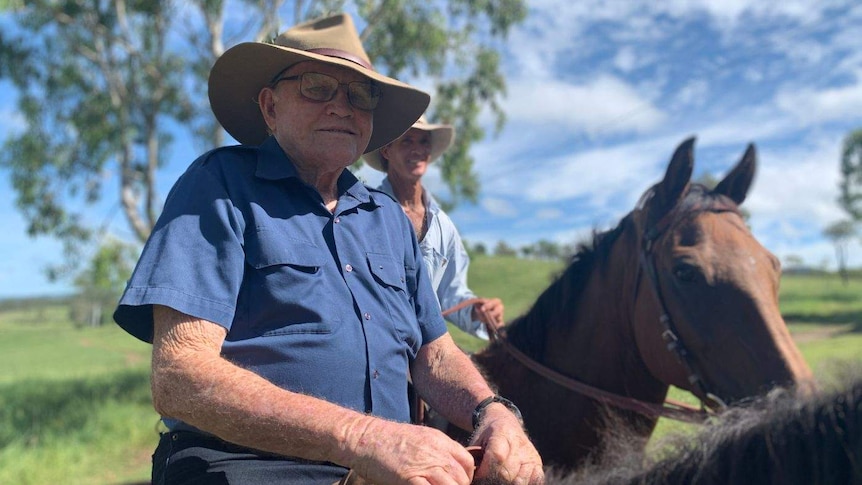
(449, 381)
(191, 382)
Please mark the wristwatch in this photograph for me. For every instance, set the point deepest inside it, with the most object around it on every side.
(479, 412)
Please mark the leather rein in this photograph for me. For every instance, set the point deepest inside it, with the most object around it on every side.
(671, 409)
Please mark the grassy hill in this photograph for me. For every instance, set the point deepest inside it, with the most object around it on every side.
(75, 406)
(518, 282)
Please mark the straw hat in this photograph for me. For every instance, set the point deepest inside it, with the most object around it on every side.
(442, 137)
(243, 70)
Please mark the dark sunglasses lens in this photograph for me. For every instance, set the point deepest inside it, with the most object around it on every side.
(318, 87)
(363, 95)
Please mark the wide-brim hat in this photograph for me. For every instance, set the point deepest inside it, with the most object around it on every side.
(442, 137)
(243, 70)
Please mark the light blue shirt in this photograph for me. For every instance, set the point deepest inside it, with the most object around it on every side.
(447, 262)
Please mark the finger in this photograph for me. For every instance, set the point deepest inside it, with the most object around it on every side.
(484, 315)
(494, 464)
(468, 466)
(529, 473)
(477, 452)
(538, 476)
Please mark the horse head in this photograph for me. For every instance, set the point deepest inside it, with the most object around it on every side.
(679, 293)
(709, 321)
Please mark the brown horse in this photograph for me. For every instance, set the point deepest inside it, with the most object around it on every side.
(681, 271)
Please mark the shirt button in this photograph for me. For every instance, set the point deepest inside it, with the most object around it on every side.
(337, 220)
(348, 268)
(376, 374)
(367, 316)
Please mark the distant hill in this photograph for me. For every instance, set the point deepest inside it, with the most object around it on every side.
(18, 303)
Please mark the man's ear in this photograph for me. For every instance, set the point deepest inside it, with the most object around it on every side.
(266, 101)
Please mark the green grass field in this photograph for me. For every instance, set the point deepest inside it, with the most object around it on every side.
(74, 403)
(75, 406)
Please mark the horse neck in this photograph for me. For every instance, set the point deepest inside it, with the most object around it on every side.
(606, 316)
(586, 334)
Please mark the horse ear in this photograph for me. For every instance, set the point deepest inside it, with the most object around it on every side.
(736, 184)
(667, 193)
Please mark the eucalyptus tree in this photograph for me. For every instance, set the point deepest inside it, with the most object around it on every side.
(840, 233)
(850, 198)
(106, 89)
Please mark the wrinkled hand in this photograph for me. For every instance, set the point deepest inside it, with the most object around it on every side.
(396, 453)
(489, 311)
(509, 456)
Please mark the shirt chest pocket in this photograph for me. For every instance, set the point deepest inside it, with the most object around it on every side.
(436, 263)
(395, 291)
(269, 253)
(386, 271)
(285, 286)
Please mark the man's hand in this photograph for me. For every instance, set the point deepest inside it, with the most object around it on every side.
(489, 311)
(386, 452)
(509, 456)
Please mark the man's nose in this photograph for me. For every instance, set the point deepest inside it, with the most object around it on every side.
(422, 151)
(340, 103)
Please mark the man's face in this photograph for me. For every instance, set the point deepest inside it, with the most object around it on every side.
(408, 156)
(328, 135)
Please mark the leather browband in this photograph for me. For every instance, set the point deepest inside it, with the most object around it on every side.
(342, 55)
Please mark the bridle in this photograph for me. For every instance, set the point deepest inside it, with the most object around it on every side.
(669, 334)
(670, 408)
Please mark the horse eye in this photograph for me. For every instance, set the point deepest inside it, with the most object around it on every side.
(685, 273)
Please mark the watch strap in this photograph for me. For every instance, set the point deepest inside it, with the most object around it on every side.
(479, 412)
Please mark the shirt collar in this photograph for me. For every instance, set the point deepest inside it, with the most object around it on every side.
(350, 185)
(274, 164)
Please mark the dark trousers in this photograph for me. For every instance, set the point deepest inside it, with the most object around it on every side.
(188, 458)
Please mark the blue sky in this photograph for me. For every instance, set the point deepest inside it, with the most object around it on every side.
(600, 93)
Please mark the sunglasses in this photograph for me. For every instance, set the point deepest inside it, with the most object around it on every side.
(320, 88)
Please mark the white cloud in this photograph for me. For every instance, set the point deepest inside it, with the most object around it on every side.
(626, 59)
(798, 183)
(498, 207)
(693, 94)
(603, 178)
(742, 128)
(730, 13)
(604, 105)
(817, 106)
(550, 214)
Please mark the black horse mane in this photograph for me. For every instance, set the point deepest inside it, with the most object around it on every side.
(782, 438)
(526, 332)
(556, 302)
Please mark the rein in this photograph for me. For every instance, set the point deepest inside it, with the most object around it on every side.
(670, 409)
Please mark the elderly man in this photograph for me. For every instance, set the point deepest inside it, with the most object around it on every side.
(287, 303)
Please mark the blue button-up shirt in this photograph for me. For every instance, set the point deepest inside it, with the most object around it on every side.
(331, 305)
(447, 263)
